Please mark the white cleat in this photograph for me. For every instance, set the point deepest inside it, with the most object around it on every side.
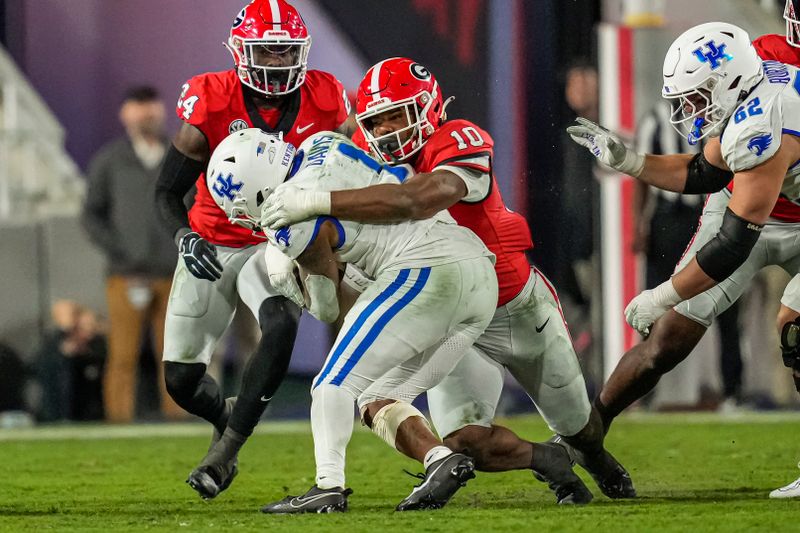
(792, 490)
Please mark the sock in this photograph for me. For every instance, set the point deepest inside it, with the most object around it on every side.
(225, 449)
(232, 441)
(246, 414)
(550, 461)
(332, 410)
(267, 365)
(222, 420)
(435, 454)
(543, 454)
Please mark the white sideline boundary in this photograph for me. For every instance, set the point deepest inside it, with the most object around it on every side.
(299, 427)
(134, 431)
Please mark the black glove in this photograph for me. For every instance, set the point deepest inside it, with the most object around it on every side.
(200, 257)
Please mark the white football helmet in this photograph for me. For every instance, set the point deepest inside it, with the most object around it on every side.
(707, 71)
(244, 168)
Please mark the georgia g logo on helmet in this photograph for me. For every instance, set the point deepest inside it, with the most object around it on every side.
(239, 18)
(420, 72)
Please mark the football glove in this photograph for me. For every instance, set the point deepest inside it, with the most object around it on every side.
(290, 204)
(606, 147)
(648, 307)
(200, 257)
(240, 214)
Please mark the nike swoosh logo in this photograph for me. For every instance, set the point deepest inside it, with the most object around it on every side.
(304, 501)
(304, 128)
(265, 399)
(540, 328)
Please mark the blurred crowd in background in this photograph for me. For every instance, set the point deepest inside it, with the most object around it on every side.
(99, 358)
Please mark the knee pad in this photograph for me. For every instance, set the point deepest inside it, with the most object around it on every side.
(790, 349)
(388, 419)
(182, 379)
(278, 313)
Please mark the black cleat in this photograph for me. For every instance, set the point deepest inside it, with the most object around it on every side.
(555, 469)
(440, 482)
(214, 476)
(611, 477)
(209, 480)
(316, 500)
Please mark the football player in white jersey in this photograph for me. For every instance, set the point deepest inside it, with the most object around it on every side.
(750, 112)
(433, 294)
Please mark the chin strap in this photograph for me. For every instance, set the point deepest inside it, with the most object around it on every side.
(446, 103)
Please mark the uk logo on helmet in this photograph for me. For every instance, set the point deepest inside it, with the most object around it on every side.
(713, 55)
(759, 144)
(225, 188)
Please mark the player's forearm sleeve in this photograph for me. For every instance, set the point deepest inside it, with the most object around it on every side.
(704, 178)
(177, 177)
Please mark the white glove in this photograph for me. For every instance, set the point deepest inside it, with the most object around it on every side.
(280, 269)
(648, 307)
(607, 147)
(290, 204)
(239, 211)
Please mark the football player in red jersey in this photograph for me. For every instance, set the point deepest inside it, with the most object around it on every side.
(270, 88)
(401, 118)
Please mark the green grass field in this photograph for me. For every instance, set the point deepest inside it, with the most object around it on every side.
(693, 473)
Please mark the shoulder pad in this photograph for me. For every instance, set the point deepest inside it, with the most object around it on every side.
(327, 91)
(753, 133)
(456, 139)
(205, 94)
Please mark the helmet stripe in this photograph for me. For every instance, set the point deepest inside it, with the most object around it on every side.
(375, 80)
(276, 15)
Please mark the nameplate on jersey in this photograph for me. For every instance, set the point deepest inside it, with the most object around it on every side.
(319, 149)
(776, 72)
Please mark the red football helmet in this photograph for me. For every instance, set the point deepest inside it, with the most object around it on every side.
(269, 42)
(399, 83)
(791, 14)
